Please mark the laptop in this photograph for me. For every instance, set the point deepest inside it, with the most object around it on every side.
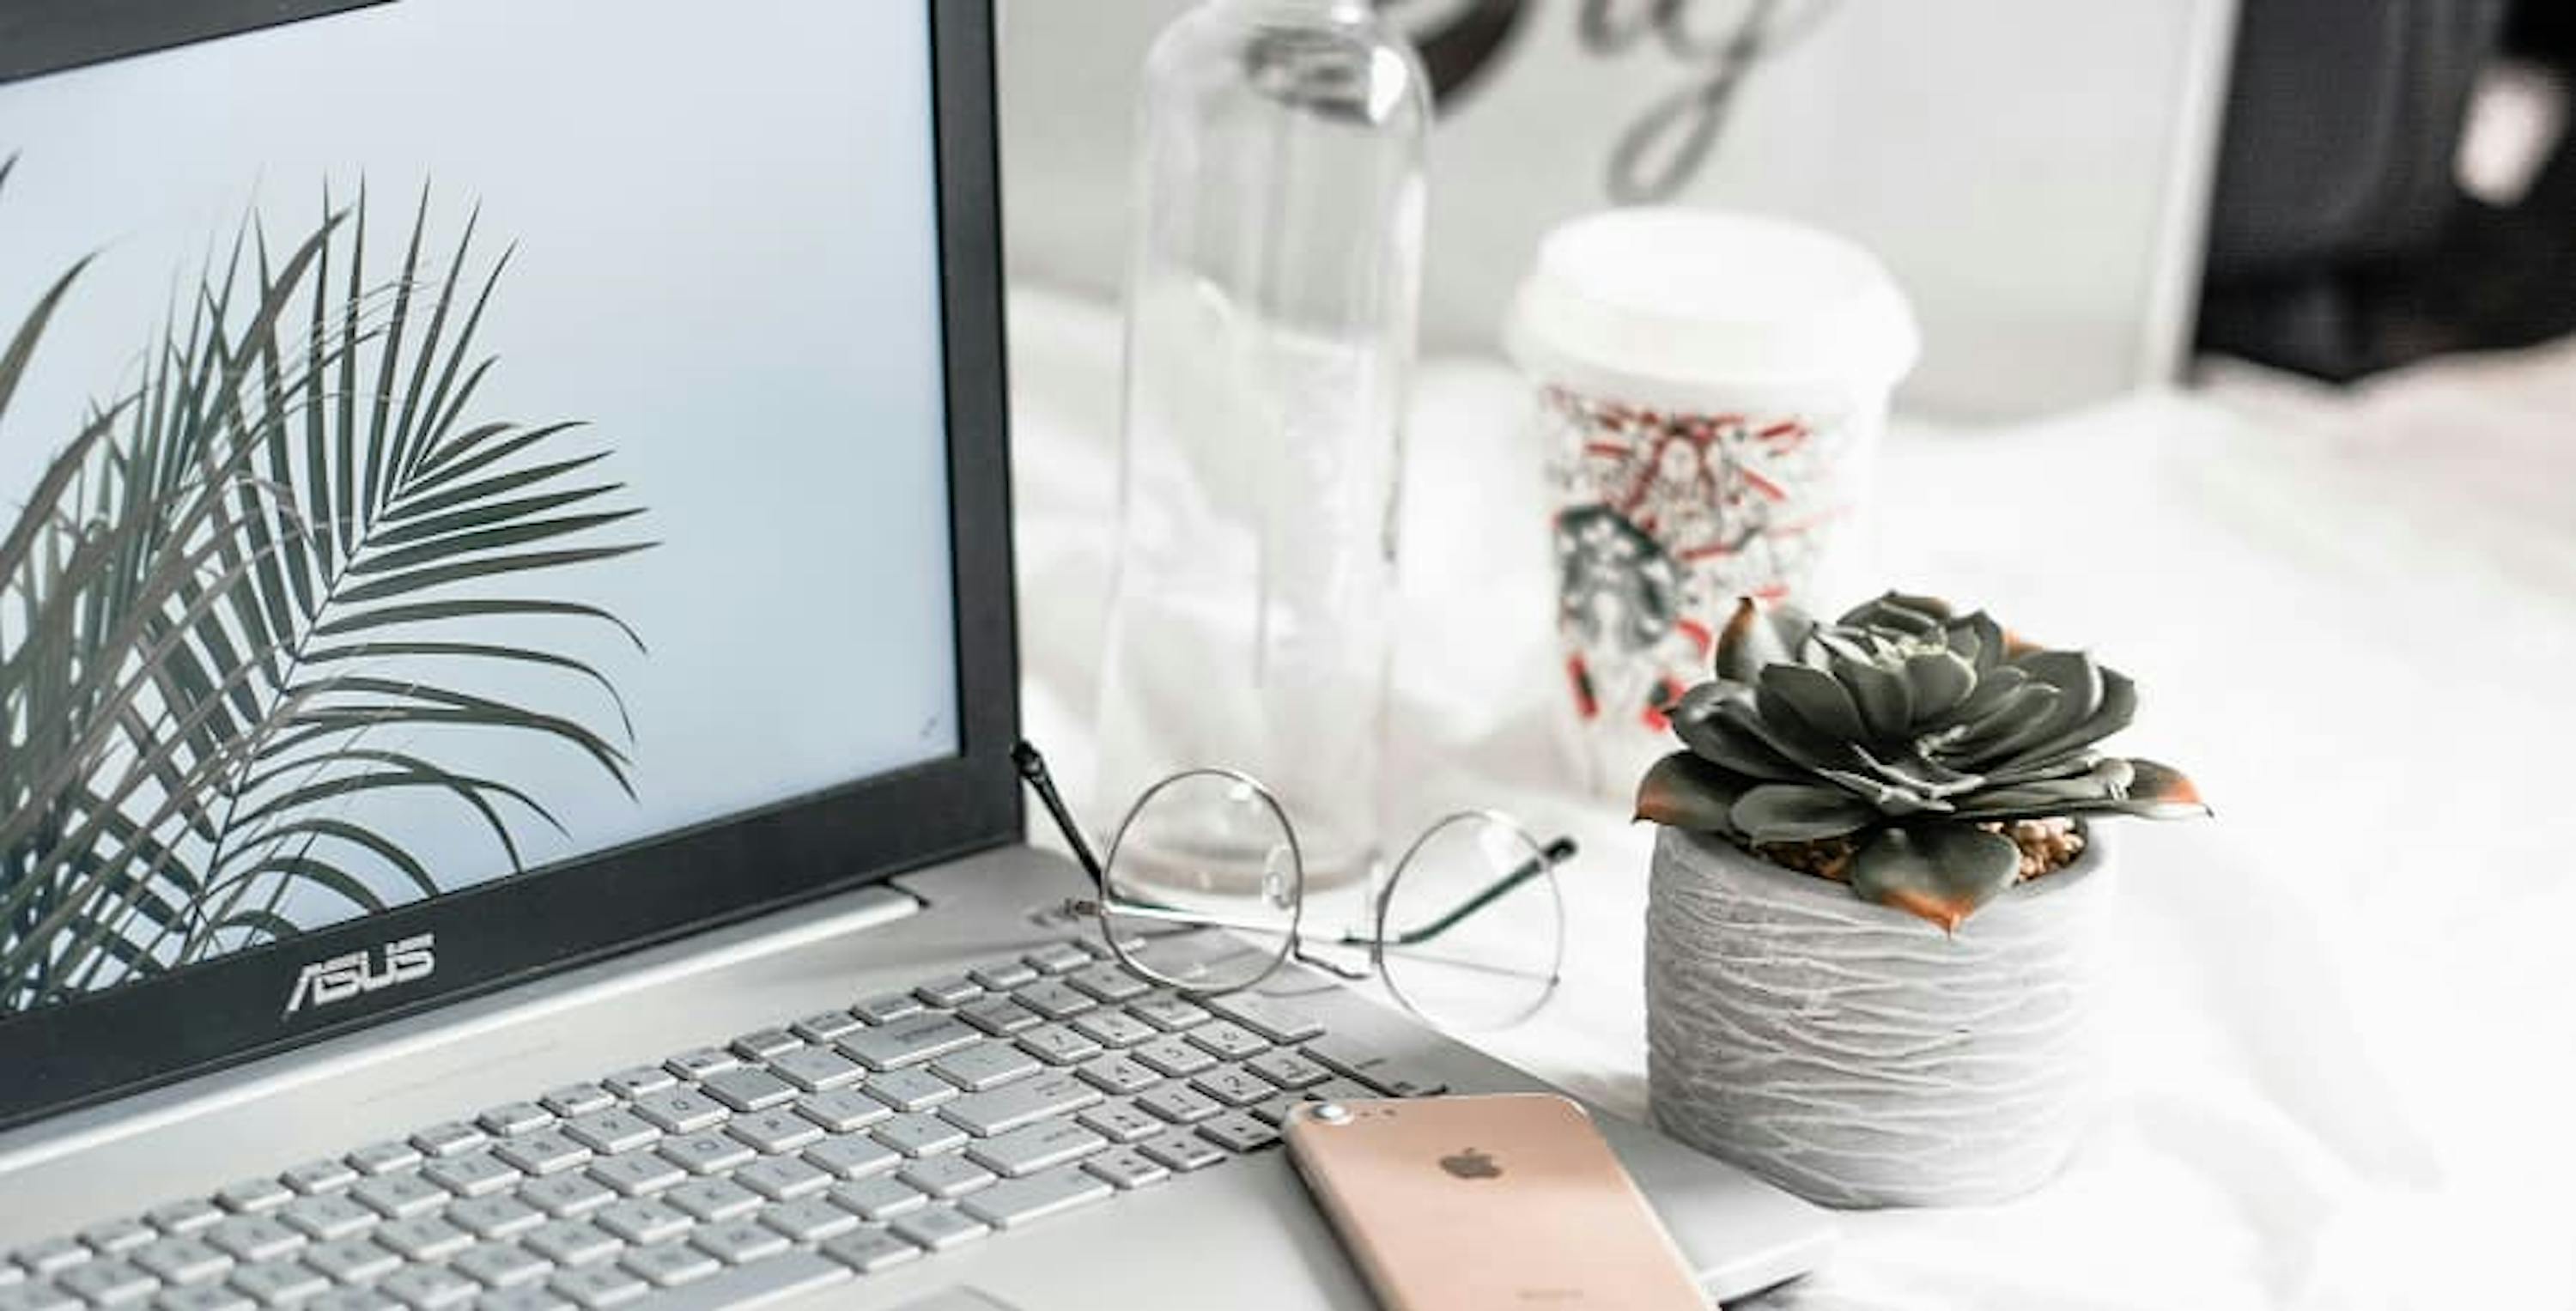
(507, 685)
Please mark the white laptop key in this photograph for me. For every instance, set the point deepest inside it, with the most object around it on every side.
(843, 1110)
(762, 1044)
(908, 1041)
(514, 1117)
(1028, 1150)
(107, 1281)
(988, 1064)
(699, 1062)
(253, 1195)
(249, 1238)
(611, 1131)
(886, 1008)
(573, 1099)
(951, 1174)
(815, 1069)
(383, 1158)
(880, 1198)
(394, 1196)
(871, 1250)
(494, 1218)
(117, 1236)
(738, 1242)
(1387, 1074)
(808, 1220)
(326, 1218)
(449, 1138)
(48, 1255)
(680, 1110)
(1126, 1168)
(823, 1026)
(773, 1132)
(203, 1297)
(1181, 1151)
(641, 1221)
(918, 1134)
(669, 1265)
(747, 1287)
(185, 1217)
(599, 1287)
(1020, 1201)
(910, 1090)
(635, 1081)
(939, 1228)
(853, 1156)
(281, 1282)
(1277, 1021)
(635, 1173)
(748, 1089)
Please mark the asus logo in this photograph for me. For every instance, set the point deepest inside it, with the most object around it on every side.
(342, 977)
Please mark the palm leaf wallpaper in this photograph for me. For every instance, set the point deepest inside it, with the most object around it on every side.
(259, 586)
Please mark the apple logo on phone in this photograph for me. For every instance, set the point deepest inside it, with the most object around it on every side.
(1471, 1164)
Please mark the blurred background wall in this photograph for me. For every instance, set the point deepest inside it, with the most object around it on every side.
(2035, 172)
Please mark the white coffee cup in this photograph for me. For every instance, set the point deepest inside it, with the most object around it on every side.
(1711, 389)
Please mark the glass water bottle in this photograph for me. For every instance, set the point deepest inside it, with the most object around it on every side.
(1271, 304)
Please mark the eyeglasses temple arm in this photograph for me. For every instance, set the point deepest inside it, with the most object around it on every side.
(1347, 973)
(1553, 854)
(1033, 770)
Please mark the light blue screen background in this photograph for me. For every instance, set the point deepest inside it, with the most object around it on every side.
(726, 263)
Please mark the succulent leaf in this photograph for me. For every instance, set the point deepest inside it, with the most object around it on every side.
(1919, 772)
(1886, 704)
(2112, 711)
(1941, 872)
(2099, 786)
(1757, 636)
(1793, 743)
(1697, 722)
(1940, 681)
(1796, 812)
(1812, 700)
(1889, 798)
(1993, 685)
(1919, 615)
(1979, 640)
(1685, 792)
(2023, 711)
(2161, 791)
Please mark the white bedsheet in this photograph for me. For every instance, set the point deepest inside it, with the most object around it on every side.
(2346, 1043)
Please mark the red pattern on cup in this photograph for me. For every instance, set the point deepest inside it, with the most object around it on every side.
(1664, 518)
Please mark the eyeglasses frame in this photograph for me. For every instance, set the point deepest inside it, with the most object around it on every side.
(1032, 767)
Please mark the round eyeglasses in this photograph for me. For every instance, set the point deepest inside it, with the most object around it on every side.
(1204, 891)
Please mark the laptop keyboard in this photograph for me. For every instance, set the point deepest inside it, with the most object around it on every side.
(785, 1160)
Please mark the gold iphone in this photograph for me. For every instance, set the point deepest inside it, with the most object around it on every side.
(1479, 1203)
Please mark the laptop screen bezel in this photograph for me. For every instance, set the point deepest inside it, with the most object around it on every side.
(230, 1010)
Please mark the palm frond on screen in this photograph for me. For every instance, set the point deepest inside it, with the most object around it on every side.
(258, 589)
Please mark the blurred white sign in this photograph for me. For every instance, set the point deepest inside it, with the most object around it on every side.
(2035, 172)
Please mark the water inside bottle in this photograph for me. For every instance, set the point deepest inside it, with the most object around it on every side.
(1270, 313)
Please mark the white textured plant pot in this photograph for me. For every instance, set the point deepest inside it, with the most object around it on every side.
(1857, 1055)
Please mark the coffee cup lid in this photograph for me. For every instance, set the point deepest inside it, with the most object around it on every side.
(1672, 297)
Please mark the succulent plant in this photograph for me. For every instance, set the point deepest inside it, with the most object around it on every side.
(1910, 732)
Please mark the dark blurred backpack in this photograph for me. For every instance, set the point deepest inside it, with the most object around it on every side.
(2339, 242)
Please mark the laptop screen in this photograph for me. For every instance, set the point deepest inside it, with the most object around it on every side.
(443, 441)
